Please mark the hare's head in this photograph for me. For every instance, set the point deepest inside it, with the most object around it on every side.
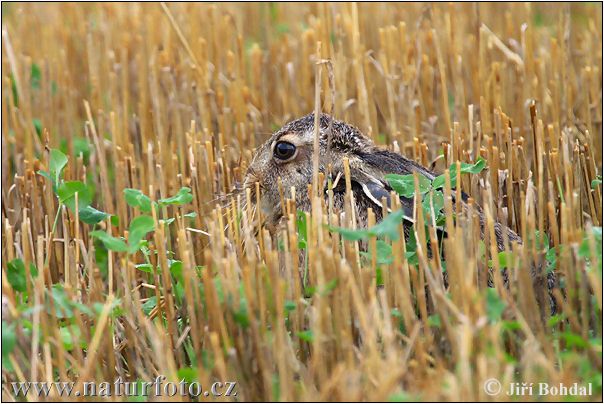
(288, 156)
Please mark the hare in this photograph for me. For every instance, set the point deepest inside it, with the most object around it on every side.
(288, 155)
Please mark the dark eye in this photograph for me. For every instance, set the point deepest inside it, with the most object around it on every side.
(284, 150)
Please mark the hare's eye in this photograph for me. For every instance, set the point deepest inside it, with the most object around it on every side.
(284, 150)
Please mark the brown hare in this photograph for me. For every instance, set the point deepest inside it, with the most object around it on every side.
(288, 154)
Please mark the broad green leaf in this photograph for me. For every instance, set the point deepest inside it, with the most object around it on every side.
(495, 306)
(57, 163)
(436, 200)
(387, 227)
(383, 252)
(149, 305)
(351, 234)
(69, 336)
(9, 340)
(63, 305)
(404, 185)
(176, 269)
(475, 168)
(144, 267)
(66, 193)
(110, 242)
(240, 315)
(596, 181)
(15, 273)
(137, 199)
(139, 227)
(81, 147)
(506, 259)
(465, 168)
(90, 215)
(36, 76)
(306, 335)
(574, 340)
(290, 306)
(329, 287)
(181, 198)
(439, 182)
(188, 374)
(434, 321)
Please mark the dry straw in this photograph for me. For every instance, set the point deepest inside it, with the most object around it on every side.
(160, 97)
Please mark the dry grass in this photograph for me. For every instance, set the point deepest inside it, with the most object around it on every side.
(158, 98)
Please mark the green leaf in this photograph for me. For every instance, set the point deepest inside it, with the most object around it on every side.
(139, 227)
(57, 163)
(506, 259)
(81, 147)
(495, 306)
(90, 215)
(37, 126)
(241, 314)
(69, 336)
(404, 185)
(383, 253)
(584, 249)
(510, 325)
(191, 215)
(411, 249)
(439, 182)
(387, 228)
(149, 305)
(144, 267)
(434, 199)
(475, 168)
(181, 198)
(306, 335)
(301, 226)
(465, 168)
(596, 181)
(351, 234)
(555, 319)
(15, 273)
(434, 321)
(66, 193)
(45, 174)
(329, 287)
(290, 306)
(137, 199)
(9, 341)
(188, 374)
(574, 340)
(110, 242)
(36, 76)
(63, 305)
(176, 269)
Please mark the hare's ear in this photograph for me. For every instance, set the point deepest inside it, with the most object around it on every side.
(376, 189)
